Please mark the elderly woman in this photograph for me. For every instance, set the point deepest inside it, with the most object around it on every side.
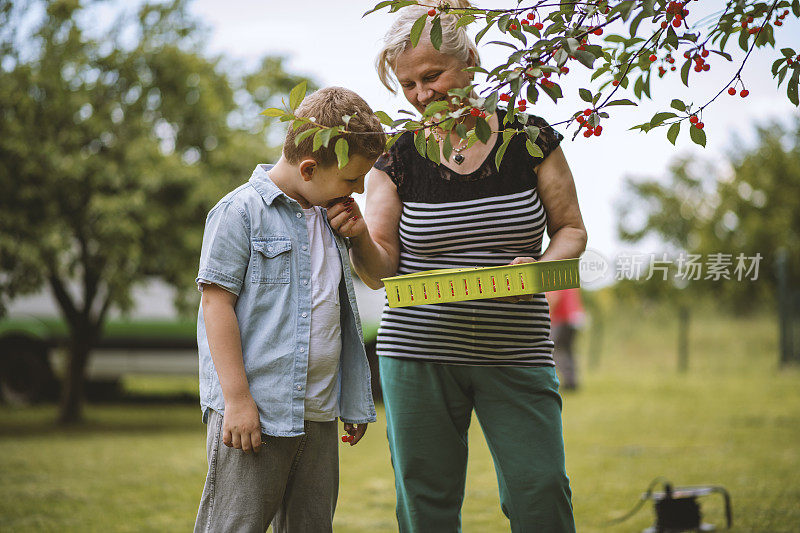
(440, 362)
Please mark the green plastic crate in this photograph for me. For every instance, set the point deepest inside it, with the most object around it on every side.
(460, 284)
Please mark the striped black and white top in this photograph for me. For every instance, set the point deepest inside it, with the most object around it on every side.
(452, 220)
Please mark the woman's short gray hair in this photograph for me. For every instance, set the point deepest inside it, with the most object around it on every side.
(455, 41)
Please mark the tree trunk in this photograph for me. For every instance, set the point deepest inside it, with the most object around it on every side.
(72, 397)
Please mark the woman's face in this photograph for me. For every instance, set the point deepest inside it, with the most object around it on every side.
(425, 74)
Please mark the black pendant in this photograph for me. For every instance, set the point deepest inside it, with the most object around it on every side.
(458, 158)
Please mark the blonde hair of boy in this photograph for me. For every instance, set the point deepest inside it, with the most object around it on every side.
(455, 41)
(327, 106)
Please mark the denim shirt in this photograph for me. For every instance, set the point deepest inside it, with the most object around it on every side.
(255, 245)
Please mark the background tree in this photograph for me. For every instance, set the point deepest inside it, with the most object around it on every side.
(751, 207)
(112, 149)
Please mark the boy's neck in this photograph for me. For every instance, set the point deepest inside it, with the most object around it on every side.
(286, 177)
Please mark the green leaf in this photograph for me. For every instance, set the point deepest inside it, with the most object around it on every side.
(483, 32)
(420, 143)
(392, 139)
(297, 94)
(490, 104)
(685, 72)
(304, 135)
(534, 149)
(433, 149)
(621, 101)
(679, 105)
(498, 158)
(380, 5)
(585, 94)
(553, 91)
(791, 89)
(659, 118)
(673, 131)
(322, 138)
(384, 118)
(482, 130)
(436, 33)
(532, 132)
(463, 21)
(698, 136)
(342, 150)
(416, 29)
(273, 112)
(447, 147)
(586, 58)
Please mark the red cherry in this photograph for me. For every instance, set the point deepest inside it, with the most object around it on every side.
(525, 22)
(686, 55)
(565, 70)
(344, 438)
(732, 91)
(615, 83)
(432, 12)
(672, 68)
(693, 119)
(522, 102)
(750, 20)
(778, 23)
(676, 23)
(531, 16)
(664, 25)
(598, 31)
(514, 27)
(522, 108)
(598, 130)
(744, 24)
(653, 57)
(587, 112)
(588, 133)
(699, 125)
(538, 25)
(474, 111)
(698, 68)
(744, 93)
(704, 53)
(706, 67)
(505, 97)
(351, 438)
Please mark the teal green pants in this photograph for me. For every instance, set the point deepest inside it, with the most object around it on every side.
(428, 412)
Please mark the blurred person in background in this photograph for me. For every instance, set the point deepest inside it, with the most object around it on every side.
(566, 318)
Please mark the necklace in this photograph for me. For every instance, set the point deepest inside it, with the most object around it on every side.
(458, 158)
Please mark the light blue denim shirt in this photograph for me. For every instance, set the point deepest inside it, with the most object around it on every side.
(256, 246)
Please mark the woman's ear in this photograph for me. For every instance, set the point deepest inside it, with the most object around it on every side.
(307, 168)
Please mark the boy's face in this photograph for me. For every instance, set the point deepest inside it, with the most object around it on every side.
(327, 185)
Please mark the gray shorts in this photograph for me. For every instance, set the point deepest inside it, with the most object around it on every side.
(292, 482)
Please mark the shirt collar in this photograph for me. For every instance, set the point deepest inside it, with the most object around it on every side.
(262, 183)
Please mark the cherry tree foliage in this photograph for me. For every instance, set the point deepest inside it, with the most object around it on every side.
(629, 45)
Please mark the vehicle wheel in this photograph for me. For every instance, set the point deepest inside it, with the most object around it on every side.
(24, 374)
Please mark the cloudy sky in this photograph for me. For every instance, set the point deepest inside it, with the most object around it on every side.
(331, 42)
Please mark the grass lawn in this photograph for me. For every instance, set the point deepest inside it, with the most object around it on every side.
(732, 420)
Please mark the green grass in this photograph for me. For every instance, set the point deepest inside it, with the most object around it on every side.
(733, 419)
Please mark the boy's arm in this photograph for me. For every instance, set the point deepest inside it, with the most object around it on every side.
(241, 427)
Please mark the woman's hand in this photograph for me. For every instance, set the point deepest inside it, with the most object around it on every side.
(345, 218)
(521, 297)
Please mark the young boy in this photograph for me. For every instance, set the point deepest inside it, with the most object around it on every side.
(281, 350)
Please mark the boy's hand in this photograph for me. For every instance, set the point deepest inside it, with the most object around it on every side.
(356, 431)
(521, 297)
(241, 428)
(345, 218)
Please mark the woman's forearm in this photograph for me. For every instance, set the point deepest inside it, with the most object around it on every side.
(566, 243)
(371, 261)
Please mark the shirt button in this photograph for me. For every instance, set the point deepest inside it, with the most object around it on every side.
(299, 387)
(304, 315)
(305, 247)
(305, 282)
(269, 248)
(302, 349)
(298, 215)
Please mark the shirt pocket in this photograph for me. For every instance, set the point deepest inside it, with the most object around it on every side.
(271, 260)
